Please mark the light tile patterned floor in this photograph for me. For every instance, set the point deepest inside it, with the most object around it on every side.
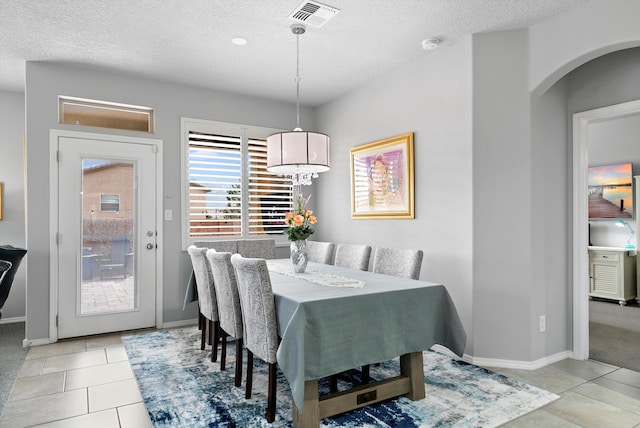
(89, 383)
(76, 383)
(584, 400)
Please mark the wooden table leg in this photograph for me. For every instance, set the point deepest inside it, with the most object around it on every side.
(411, 365)
(410, 383)
(309, 417)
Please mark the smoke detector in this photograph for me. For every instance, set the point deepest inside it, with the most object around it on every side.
(313, 13)
(430, 44)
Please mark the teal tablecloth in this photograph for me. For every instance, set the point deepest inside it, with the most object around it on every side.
(191, 295)
(326, 330)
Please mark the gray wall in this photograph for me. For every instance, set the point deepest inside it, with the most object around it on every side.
(12, 228)
(551, 223)
(482, 195)
(431, 98)
(502, 201)
(45, 81)
(610, 79)
(506, 257)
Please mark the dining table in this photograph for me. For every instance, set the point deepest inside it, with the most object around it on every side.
(332, 319)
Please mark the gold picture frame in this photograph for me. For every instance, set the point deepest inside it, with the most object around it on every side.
(382, 182)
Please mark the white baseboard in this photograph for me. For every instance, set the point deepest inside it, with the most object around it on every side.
(174, 324)
(514, 364)
(506, 364)
(12, 320)
(181, 323)
(35, 342)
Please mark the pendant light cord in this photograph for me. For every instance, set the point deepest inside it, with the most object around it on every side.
(311, 154)
(298, 29)
(298, 82)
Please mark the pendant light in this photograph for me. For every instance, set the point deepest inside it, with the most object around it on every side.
(298, 154)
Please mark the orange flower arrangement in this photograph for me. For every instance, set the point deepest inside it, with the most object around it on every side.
(300, 220)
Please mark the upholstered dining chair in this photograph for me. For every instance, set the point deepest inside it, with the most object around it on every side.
(206, 298)
(221, 246)
(398, 262)
(229, 246)
(229, 310)
(320, 252)
(354, 256)
(259, 314)
(257, 248)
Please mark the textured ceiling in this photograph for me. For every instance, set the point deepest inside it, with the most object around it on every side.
(189, 41)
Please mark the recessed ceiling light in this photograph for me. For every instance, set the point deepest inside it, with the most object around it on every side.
(239, 41)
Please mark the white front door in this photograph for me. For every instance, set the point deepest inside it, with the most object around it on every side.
(106, 236)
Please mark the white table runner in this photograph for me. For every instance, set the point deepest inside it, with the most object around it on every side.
(321, 278)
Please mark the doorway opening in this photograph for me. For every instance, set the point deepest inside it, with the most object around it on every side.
(581, 270)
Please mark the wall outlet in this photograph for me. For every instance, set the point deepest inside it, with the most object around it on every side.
(543, 323)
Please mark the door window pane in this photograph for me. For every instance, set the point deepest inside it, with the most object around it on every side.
(108, 216)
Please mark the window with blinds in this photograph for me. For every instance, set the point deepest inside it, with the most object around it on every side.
(230, 192)
(215, 185)
(269, 194)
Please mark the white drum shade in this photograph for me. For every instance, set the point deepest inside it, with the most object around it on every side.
(296, 152)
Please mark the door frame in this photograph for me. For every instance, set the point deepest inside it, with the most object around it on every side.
(581, 122)
(54, 135)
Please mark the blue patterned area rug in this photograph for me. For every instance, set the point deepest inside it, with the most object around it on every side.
(181, 387)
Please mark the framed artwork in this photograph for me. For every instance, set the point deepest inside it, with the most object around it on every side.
(382, 179)
(611, 191)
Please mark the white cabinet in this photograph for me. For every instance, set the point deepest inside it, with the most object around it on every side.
(612, 274)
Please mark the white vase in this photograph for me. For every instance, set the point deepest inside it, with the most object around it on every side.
(299, 256)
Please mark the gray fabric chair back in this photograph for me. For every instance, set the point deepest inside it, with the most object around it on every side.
(398, 262)
(221, 246)
(354, 256)
(204, 283)
(226, 286)
(257, 248)
(320, 252)
(258, 307)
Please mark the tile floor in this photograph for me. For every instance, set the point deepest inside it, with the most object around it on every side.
(89, 383)
(76, 383)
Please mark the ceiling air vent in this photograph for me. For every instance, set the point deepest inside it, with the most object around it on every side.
(313, 13)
